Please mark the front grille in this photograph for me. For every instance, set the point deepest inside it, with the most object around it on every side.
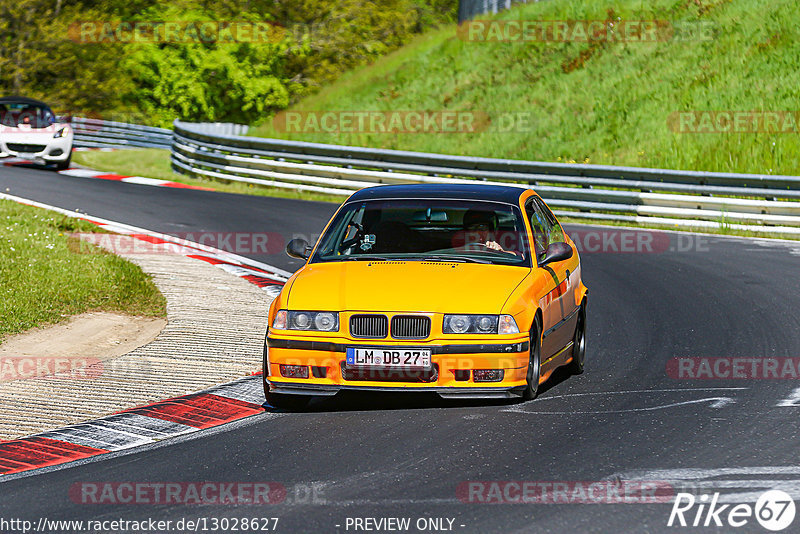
(390, 375)
(369, 326)
(411, 327)
(28, 149)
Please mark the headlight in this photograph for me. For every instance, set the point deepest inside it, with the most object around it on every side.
(479, 324)
(62, 132)
(306, 320)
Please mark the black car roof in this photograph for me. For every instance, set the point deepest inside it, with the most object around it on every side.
(22, 100)
(497, 193)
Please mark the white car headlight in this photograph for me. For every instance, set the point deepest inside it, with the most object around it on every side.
(306, 320)
(61, 133)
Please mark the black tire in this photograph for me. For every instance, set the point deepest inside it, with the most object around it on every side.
(534, 362)
(292, 403)
(579, 343)
(64, 165)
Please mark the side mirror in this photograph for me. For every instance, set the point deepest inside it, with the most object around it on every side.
(556, 252)
(298, 248)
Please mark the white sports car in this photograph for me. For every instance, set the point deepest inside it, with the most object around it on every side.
(30, 130)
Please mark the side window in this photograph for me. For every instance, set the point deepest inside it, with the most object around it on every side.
(539, 225)
(556, 234)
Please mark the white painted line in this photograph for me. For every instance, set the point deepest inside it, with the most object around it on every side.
(715, 402)
(144, 426)
(248, 389)
(89, 436)
(700, 480)
(115, 433)
(143, 181)
(792, 400)
(83, 173)
(237, 270)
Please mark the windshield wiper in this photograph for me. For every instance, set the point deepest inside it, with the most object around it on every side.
(365, 257)
(459, 259)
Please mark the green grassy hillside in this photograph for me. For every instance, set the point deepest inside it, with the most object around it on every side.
(601, 102)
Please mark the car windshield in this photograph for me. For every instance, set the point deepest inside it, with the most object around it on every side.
(14, 114)
(427, 229)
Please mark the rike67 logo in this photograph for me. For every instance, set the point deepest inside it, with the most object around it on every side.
(774, 510)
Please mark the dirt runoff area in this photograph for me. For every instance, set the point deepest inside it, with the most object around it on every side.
(75, 347)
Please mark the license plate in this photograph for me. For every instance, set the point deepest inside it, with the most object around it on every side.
(387, 357)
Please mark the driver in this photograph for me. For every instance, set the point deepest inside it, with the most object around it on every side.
(481, 227)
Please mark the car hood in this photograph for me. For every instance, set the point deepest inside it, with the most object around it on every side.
(404, 286)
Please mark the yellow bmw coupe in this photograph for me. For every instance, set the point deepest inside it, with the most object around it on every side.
(463, 290)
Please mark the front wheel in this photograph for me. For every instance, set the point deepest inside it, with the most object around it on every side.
(64, 165)
(534, 360)
(579, 343)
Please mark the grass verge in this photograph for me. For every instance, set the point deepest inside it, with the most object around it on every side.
(43, 281)
(606, 101)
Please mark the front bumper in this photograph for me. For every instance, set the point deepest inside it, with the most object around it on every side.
(451, 374)
(48, 150)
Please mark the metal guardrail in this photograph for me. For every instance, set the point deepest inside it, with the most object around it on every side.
(96, 133)
(628, 194)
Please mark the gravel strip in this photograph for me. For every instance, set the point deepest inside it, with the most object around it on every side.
(214, 334)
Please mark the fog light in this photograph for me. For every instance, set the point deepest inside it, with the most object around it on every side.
(487, 375)
(461, 375)
(294, 371)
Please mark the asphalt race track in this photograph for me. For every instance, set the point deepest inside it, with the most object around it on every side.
(625, 419)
